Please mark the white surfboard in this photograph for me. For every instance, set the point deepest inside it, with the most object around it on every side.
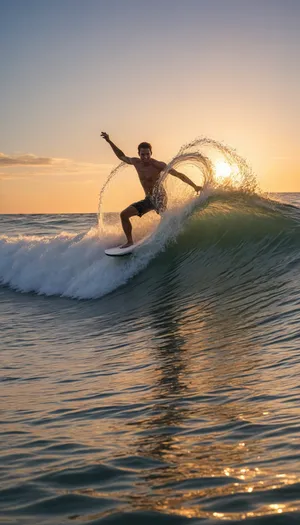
(119, 252)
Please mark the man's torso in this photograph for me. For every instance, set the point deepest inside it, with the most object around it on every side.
(148, 174)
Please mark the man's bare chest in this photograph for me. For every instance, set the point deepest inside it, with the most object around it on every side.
(148, 173)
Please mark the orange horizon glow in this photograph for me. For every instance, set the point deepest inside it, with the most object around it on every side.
(76, 188)
(72, 73)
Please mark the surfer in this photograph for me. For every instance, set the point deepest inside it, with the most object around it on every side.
(148, 170)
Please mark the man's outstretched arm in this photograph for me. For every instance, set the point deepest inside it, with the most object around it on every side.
(185, 179)
(161, 166)
(115, 149)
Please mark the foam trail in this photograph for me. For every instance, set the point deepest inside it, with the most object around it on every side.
(75, 266)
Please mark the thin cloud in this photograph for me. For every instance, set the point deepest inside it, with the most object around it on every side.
(28, 166)
(24, 160)
(30, 160)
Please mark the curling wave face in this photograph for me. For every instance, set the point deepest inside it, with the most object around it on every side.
(219, 233)
(228, 224)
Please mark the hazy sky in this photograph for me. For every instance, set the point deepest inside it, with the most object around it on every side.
(165, 71)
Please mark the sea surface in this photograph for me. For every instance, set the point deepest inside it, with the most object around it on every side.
(162, 387)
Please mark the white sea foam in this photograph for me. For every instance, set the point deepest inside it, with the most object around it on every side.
(75, 265)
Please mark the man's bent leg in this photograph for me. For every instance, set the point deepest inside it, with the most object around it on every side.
(126, 224)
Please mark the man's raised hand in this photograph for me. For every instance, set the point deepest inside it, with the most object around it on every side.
(105, 136)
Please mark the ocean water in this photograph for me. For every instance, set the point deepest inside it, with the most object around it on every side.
(161, 387)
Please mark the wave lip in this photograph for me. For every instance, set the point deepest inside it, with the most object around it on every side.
(229, 214)
(75, 266)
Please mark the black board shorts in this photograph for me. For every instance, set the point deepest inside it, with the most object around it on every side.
(148, 204)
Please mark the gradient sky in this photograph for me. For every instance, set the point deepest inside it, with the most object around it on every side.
(165, 71)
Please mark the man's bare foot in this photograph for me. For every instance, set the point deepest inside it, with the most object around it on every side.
(126, 245)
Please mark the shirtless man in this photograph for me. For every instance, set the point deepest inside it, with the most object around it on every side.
(148, 170)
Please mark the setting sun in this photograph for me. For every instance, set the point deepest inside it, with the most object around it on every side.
(224, 170)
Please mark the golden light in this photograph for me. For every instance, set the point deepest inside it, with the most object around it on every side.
(222, 170)
(227, 173)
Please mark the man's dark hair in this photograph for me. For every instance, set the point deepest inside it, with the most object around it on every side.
(144, 145)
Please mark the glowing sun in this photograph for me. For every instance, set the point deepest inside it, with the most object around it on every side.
(223, 170)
